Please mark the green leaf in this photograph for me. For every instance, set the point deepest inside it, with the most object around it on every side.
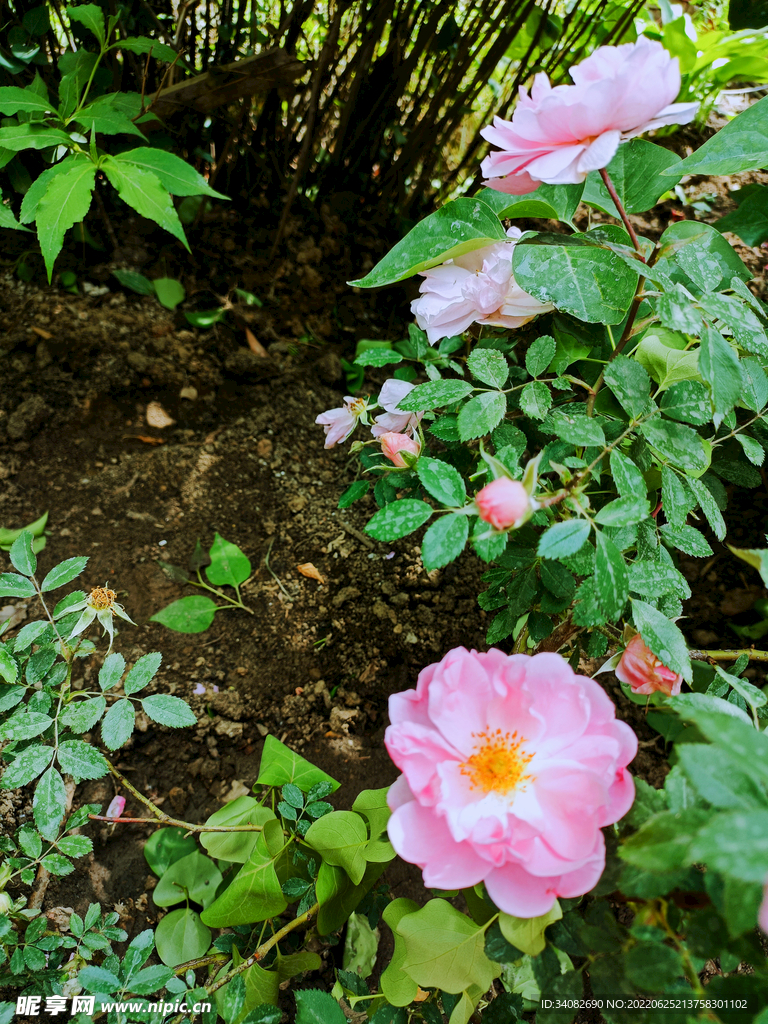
(353, 493)
(576, 276)
(378, 357)
(627, 477)
(340, 838)
(397, 986)
(12, 585)
(29, 634)
(81, 760)
(676, 311)
(9, 671)
(136, 282)
(24, 725)
(195, 876)
(279, 765)
(26, 766)
(118, 724)
(433, 394)
(719, 366)
(527, 934)
(665, 360)
(456, 228)
(103, 117)
(235, 847)
(719, 778)
(63, 573)
(551, 202)
(32, 136)
(623, 511)
(681, 445)
(540, 355)
(442, 481)
(372, 803)
(228, 564)
(150, 980)
(66, 202)
(663, 637)
(180, 936)
(139, 44)
(535, 399)
(750, 220)
(708, 507)
(687, 401)
(398, 519)
(75, 846)
(91, 16)
(98, 979)
(564, 539)
(169, 291)
(170, 711)
(687, 539)
(143, 191)
(22, 556)
(576, 428)
(192, 614)
(663, 842)
(702, 252)
(49, 803)
(752, 449)
(611, 577)
(629, 382)
(640, 172)
(166, 846)
(13, 99)
(111, 672)
(338, 897)
(735, 843)
(489, 366)
(742, 145)
(444, 949)
(748, 331)
(255, 893)
(176, 176)
(444, 541)
(316, 1007)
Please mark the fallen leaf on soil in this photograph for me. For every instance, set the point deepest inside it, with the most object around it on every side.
(308, 570)
(42, 334)
(255, 345)
(157, 416)
(237, 789)
(144, 438)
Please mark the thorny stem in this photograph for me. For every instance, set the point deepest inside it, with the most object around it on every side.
(622, 212)
(264, 948)
(752, 654)
(161, 818)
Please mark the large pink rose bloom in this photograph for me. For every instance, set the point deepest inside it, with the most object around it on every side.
(477, 287)
(644, 672)
(511, 766)
(558, 135)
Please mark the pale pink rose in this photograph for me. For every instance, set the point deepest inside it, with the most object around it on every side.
(393, 445)
(511, 766)
(116, 808)
(642, 670)
(558, 135)
(393, 391)
(762, 914)
(477, 287)
(339, 423)
(503, 502)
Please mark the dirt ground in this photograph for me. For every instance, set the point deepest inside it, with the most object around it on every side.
(315, 662)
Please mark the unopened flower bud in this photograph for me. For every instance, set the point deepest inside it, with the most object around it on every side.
(642, 670)
(503, 503)
(400, 449)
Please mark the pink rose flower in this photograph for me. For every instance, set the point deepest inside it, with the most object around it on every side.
(339, 423)
(762, 914)
(393, 445)
(642, 670)
(394, 420)
(116, 808)
(477, 287)
(511, 766)
(503, 503)
(558, 135)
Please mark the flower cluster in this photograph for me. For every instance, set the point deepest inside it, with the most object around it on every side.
(559, 134)
(396, 430)
(511, 766)
(477, 287)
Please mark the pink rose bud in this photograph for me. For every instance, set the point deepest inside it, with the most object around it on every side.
(116, 808)
(502, 503)
(642, 670)
(397, 446)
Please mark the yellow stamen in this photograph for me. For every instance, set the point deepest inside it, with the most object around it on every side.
(100, 598)
(498, 763)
